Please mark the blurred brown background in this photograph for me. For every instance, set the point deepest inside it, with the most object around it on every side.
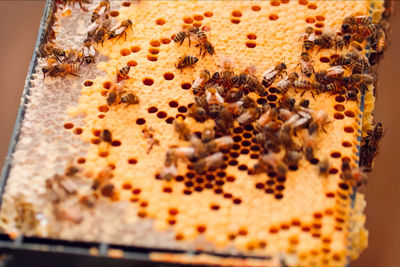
(19, 24)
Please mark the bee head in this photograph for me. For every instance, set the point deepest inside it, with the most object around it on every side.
(351, 95)
(88, 60)
(347, 37)
(346, 28)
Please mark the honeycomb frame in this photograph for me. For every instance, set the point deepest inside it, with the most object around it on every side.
(79, 121)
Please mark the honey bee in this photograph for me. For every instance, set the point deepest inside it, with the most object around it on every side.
(72, 56)
(148, 134)
(370, 146)
(321, 118)
(102, 31)
(169, 170)
(351, 95)
(370, 30)
(306, 64)
(381, 44)
(199, 84)
(101, 10)
(214, 101)
(122, 74)
(207, 135)
(292, 158)
(111, 98)
(106, 136)
(351, 24)
(323, 167)
(309, 146)
(129, 98)
(120, 30)
(325, 41)
(308, 38)
(89, 51)
(175, 153)
(359, 78)
(330, 75)
(201, 101)
(72, 2)
(64, 69)
(270, 75)
(181, 36)
(267, 116)
(388, 5)
(360, 66)
(354, 175)
(216, 78)
(198, 113)
(225, 120)
(103, 177)
(342, 41)
(51, 49)
(249, 116)
(233, 95)
(268, 162)
(71, 170)
(50, 63)
(204, 43)
(248, 79)
(217, 144)
(182, 129)
(287, 102)
(284, 84)
(185, 61)
(227, 71)
(333, 87)
(284, 136)
(341, 60)
(307, 85)
(363, 20)
(212, 161)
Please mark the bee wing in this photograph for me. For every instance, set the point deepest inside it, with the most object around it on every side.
(311, 37)
(197, 82)
(214, 159)
(85, 51)
(102, 10)
(120, 30)
(336, 70)
(301, 35)
(226, 62)
(208, 96)
(270, 73)
(92, 27)
(283, 82)
(92, 51)
(219, 97)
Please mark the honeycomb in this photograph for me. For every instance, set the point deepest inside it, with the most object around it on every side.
(296, 219)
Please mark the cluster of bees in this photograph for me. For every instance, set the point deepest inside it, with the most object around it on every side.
(288, 131)
(203, 43)
(62, 62)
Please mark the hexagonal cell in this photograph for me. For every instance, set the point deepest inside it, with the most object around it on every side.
(273, 17)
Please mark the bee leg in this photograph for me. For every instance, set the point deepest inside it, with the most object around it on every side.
(303, 93)
(59, 60)
(189, 39)
(182, 42)
(312, 94)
